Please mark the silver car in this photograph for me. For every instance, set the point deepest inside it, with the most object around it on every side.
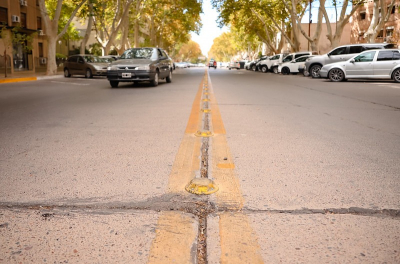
(371, 64)
(88, 65)
(342, 53)
(139, 65)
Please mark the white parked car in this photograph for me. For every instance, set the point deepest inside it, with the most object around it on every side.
(293, 65)
(371, 64)
(181, 65)
(234, 65)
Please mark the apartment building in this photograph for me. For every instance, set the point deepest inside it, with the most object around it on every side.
(362, 18)
(22, 17)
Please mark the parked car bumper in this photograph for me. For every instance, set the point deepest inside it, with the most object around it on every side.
(323, 73)
(135, 76)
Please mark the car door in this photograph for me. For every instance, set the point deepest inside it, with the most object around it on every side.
(385, 62)
(80, 66)
(336, 55)
(361, 65)
(294, 65)
(163, 64)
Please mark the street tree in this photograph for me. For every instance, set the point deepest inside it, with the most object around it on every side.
(223, 47)
(341, 22)
(189, 52)
(380, 15)
(51, 11)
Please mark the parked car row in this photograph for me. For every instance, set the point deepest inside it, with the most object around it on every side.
(369, 61)
(134, 65)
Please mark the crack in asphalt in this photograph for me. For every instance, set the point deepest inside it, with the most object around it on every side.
(192, 207)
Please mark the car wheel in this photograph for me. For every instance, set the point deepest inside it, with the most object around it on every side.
(275, 69)
(254, 67)
(88, 73)
(336, 75)
(264, 69)
(314, 71)
(229, 68)
(306, 74)
(155, 81)
(66, 73)
(114, 84)
(169, 77)
(396, 75)
(285, 71)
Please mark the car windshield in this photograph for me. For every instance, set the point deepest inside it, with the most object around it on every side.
(139, 53)
(93, 59)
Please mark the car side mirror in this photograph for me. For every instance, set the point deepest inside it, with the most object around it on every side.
(352, 61)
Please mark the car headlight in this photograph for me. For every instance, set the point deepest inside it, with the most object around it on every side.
(112, 68)
(143, 68)
(97, 67)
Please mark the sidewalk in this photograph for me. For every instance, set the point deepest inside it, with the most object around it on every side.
(24, 76)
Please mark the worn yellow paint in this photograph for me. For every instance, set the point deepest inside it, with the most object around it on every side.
(239, 243)
(18, 80)
(176, 232)
(225, 165)
(201, 186)
(175, 239)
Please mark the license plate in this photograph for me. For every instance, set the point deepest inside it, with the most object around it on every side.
(126, 75)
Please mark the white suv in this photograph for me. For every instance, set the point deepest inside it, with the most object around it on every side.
(289, 58)
(268, 63)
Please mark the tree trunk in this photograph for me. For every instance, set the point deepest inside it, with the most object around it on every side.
(88, 30)
(51, 55)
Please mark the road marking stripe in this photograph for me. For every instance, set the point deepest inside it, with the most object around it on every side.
(175, 240)
(238, 241)
(18, 80)
(176, 232)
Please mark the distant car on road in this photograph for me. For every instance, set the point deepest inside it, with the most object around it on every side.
(88, 65)
(371, 64)
(212, 64)
(139, 65)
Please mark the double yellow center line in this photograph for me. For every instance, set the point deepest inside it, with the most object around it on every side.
(176, 232)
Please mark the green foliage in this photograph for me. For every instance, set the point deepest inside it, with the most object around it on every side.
(95, 49)
(14, 36)
(60, 56)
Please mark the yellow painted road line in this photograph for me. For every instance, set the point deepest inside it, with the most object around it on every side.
(239, 243)
(176, 232)
(18, 80)
(175, 240)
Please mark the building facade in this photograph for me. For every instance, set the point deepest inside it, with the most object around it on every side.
(22, 19)
(362, 18)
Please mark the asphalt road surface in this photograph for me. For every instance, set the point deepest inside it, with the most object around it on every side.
(307, 170)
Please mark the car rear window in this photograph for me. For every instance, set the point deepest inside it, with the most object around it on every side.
(388, 55)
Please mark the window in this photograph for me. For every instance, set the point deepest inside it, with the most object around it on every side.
(362, 15)
(3, 16)
(40, 49)
(338, 51)
(385, 56)
(365, 57)
(355, 49)
(23, 20)
(301, 59)
(380, 34)
(72, 59)
(288, 58)
(396, 55)
(39, 22)
(299, 55)
(389, 31)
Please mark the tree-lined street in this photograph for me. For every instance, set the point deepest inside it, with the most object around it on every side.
(307, 170)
